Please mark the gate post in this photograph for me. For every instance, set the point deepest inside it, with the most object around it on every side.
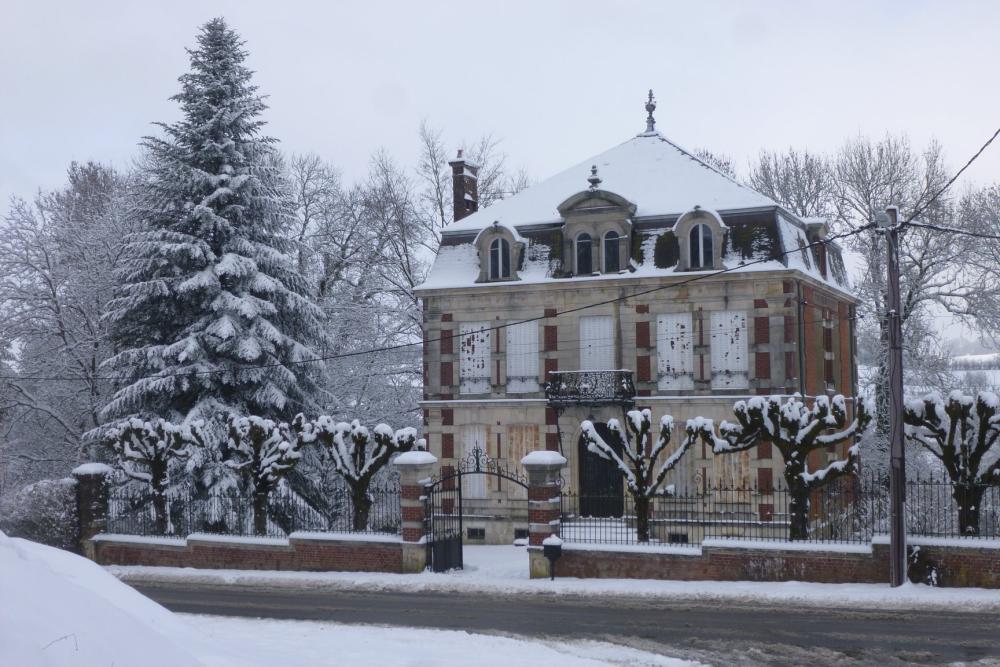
(91, 503)
(544, 505)
(415, 470)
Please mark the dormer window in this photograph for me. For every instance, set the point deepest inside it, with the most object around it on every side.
(612, 262)
(584, 255)
(701, 246)
(499, 259)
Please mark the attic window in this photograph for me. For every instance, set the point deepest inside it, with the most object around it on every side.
(612, 263)
(701, 246)
(584, 255)
(499, 259)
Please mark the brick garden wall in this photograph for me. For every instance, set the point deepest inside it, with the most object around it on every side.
(304, 553)
(954, 565)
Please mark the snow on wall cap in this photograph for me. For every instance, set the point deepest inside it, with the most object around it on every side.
(544, 458)
(415, 458)
(552, 541)
(92, 469)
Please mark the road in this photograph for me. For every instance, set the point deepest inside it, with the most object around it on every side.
(742, 634)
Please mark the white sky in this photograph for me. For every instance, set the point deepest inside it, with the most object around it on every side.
(558, 81)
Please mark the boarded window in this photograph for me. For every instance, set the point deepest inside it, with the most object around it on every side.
(675, 352)
(521, 440)
(597, 343)
(473, 439)
(474, 365)
(522, 357)
(728, 334)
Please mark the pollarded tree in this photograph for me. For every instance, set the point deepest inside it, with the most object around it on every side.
(795, 430)
(212, 315)
(639, 465)
(357, 454)
(962, 433)
(145, 451)
(263, 451)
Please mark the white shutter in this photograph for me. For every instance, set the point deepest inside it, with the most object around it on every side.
(522, 357)
(473, 438)
(597, 343)
(675, 351)
(729, 350)
(474, 358)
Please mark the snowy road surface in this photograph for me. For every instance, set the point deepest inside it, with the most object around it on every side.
(242, 642)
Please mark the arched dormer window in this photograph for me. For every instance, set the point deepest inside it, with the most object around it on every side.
(612, 262)
(701, 246)
(499, 259)
(584, 255)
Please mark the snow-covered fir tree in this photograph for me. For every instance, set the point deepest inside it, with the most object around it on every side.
(212, 315)
(146, 451)
(963, 434)
(357, 454)
(795, 429)
(637, 461)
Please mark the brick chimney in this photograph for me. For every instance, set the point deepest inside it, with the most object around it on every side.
(465, 188)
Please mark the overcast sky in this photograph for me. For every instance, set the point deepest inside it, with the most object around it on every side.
(558, 81)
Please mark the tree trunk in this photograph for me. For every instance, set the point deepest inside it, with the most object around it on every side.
(260, 513)
(968, 497)
(642, 507)
(362, 507)
(160, 511)
(798, 508)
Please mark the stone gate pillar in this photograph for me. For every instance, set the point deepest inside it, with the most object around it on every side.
(415, 470)
(91, 503)
(544, 493)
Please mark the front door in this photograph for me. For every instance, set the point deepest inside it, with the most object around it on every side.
(601, 487)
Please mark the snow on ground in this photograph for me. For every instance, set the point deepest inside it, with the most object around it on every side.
(58, 609)
(239, 642)
(503, 570)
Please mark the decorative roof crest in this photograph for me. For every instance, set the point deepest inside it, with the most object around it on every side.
(594, 179)
(650, 108)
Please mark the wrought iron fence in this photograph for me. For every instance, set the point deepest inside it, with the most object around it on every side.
(133, 513)
(848, 510)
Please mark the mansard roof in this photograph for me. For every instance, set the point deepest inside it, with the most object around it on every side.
(659, 176)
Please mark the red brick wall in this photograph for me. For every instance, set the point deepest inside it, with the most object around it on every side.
(312, 555)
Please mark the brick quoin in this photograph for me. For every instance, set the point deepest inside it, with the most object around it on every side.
(642, 308)
(446, 317)
(551, 419)
(760, 303)
(642, 334)
(447, 445)
(550, 338)
(762, 330)
(446, 374)
(447, 342)
(411, 491)
(642, 371)
(447, 417)
(552, 442)
(763, 365)
(551, 366)
(551, 312)
(789, 329)
(412, 513)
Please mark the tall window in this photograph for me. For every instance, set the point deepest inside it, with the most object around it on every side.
(701, 246)
(611, 263)
(499, 259)
(474, 358)
(584, 260)
(522, 357)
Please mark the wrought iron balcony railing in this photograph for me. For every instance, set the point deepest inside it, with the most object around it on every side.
(590, 387)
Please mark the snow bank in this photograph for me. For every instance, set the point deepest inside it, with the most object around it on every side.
(61, 609)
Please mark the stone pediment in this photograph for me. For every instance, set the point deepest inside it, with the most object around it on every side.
(596, 201)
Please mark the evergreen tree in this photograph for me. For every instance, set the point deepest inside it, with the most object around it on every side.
(212, 315)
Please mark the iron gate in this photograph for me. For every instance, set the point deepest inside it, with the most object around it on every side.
(443, 506)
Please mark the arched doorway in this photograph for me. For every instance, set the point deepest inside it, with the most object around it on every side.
(600, 487)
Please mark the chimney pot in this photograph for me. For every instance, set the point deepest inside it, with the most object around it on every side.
(465, 187)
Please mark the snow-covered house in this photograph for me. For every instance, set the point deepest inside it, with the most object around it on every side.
(611, 261)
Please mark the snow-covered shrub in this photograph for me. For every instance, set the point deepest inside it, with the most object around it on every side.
(639, 465)
(43, 512)
(795, 430)
(962, 433)
(357, 454)
(263, 451)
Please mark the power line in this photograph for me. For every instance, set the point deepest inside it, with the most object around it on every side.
(954, 230)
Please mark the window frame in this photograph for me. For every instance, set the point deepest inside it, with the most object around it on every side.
(590, 253)
(499, 259)
(701, 232)
(616, 253)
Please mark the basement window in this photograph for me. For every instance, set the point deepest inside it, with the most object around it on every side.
(476, 533)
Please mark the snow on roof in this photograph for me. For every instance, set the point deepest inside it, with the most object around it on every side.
(658, 175)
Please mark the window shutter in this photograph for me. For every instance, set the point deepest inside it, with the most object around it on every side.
(522, 357)
(597, 343)
(729, 350)
(675, 352)
(474, 358)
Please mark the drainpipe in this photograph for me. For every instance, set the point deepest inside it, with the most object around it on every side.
(801, 308)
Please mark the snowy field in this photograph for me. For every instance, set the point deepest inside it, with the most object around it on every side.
(503, 570)
(60, 610)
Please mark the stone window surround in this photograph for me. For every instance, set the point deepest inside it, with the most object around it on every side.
(483, 243)
(682, 231)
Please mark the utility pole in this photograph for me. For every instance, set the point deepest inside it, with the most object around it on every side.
(897, 457)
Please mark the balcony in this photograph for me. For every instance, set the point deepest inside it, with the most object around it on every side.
(566, 388)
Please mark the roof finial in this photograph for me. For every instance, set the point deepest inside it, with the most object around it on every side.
(650, 108)
(594, 179)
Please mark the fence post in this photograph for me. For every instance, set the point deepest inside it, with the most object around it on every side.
(544, 494)
(415, 469)
(91, 503)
